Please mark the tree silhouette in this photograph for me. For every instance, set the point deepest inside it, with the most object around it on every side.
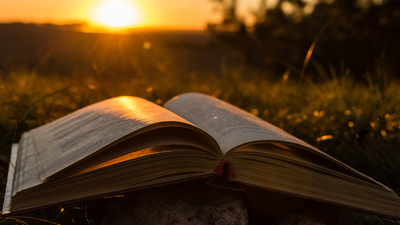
(356, 33)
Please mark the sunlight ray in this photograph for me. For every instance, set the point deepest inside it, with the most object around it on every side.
(116, 14)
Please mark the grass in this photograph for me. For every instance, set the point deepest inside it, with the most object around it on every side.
(356, 122)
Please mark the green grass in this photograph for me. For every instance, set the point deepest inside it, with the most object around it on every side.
(358, 123)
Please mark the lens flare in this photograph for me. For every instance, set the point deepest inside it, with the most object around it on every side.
(116, 14)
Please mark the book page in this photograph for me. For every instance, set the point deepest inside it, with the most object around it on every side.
(71, 138)
(28, 170)
(10, 179)
(233, 127)
(229, 125)
(26, 173)
(172, 138)
(301, 157)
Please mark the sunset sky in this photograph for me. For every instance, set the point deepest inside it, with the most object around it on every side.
(171, 14)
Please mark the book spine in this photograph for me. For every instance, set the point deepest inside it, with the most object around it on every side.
(225, 169)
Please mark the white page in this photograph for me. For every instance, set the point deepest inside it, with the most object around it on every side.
(229, 125)
(233, 127)
(10, 180)
(69, 139)
(30, 171)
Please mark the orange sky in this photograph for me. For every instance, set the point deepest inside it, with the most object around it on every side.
(172, 14)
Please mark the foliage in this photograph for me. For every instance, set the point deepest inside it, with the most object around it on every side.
(353, 122)
(355, 33)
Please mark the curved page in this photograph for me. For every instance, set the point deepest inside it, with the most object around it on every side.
(229, 125)
(232, 127)
(71, 138)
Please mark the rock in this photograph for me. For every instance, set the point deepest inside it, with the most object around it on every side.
(179, 204)
(295, 219)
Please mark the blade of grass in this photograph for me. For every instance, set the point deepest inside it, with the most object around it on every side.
(312, 47)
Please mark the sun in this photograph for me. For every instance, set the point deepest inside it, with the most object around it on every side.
(116, 14)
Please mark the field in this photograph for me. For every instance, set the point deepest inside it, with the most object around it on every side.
(47, 72)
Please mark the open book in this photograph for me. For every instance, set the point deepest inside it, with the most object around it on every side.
(127, 143)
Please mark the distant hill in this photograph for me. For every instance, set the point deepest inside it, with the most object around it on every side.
(47, 49)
